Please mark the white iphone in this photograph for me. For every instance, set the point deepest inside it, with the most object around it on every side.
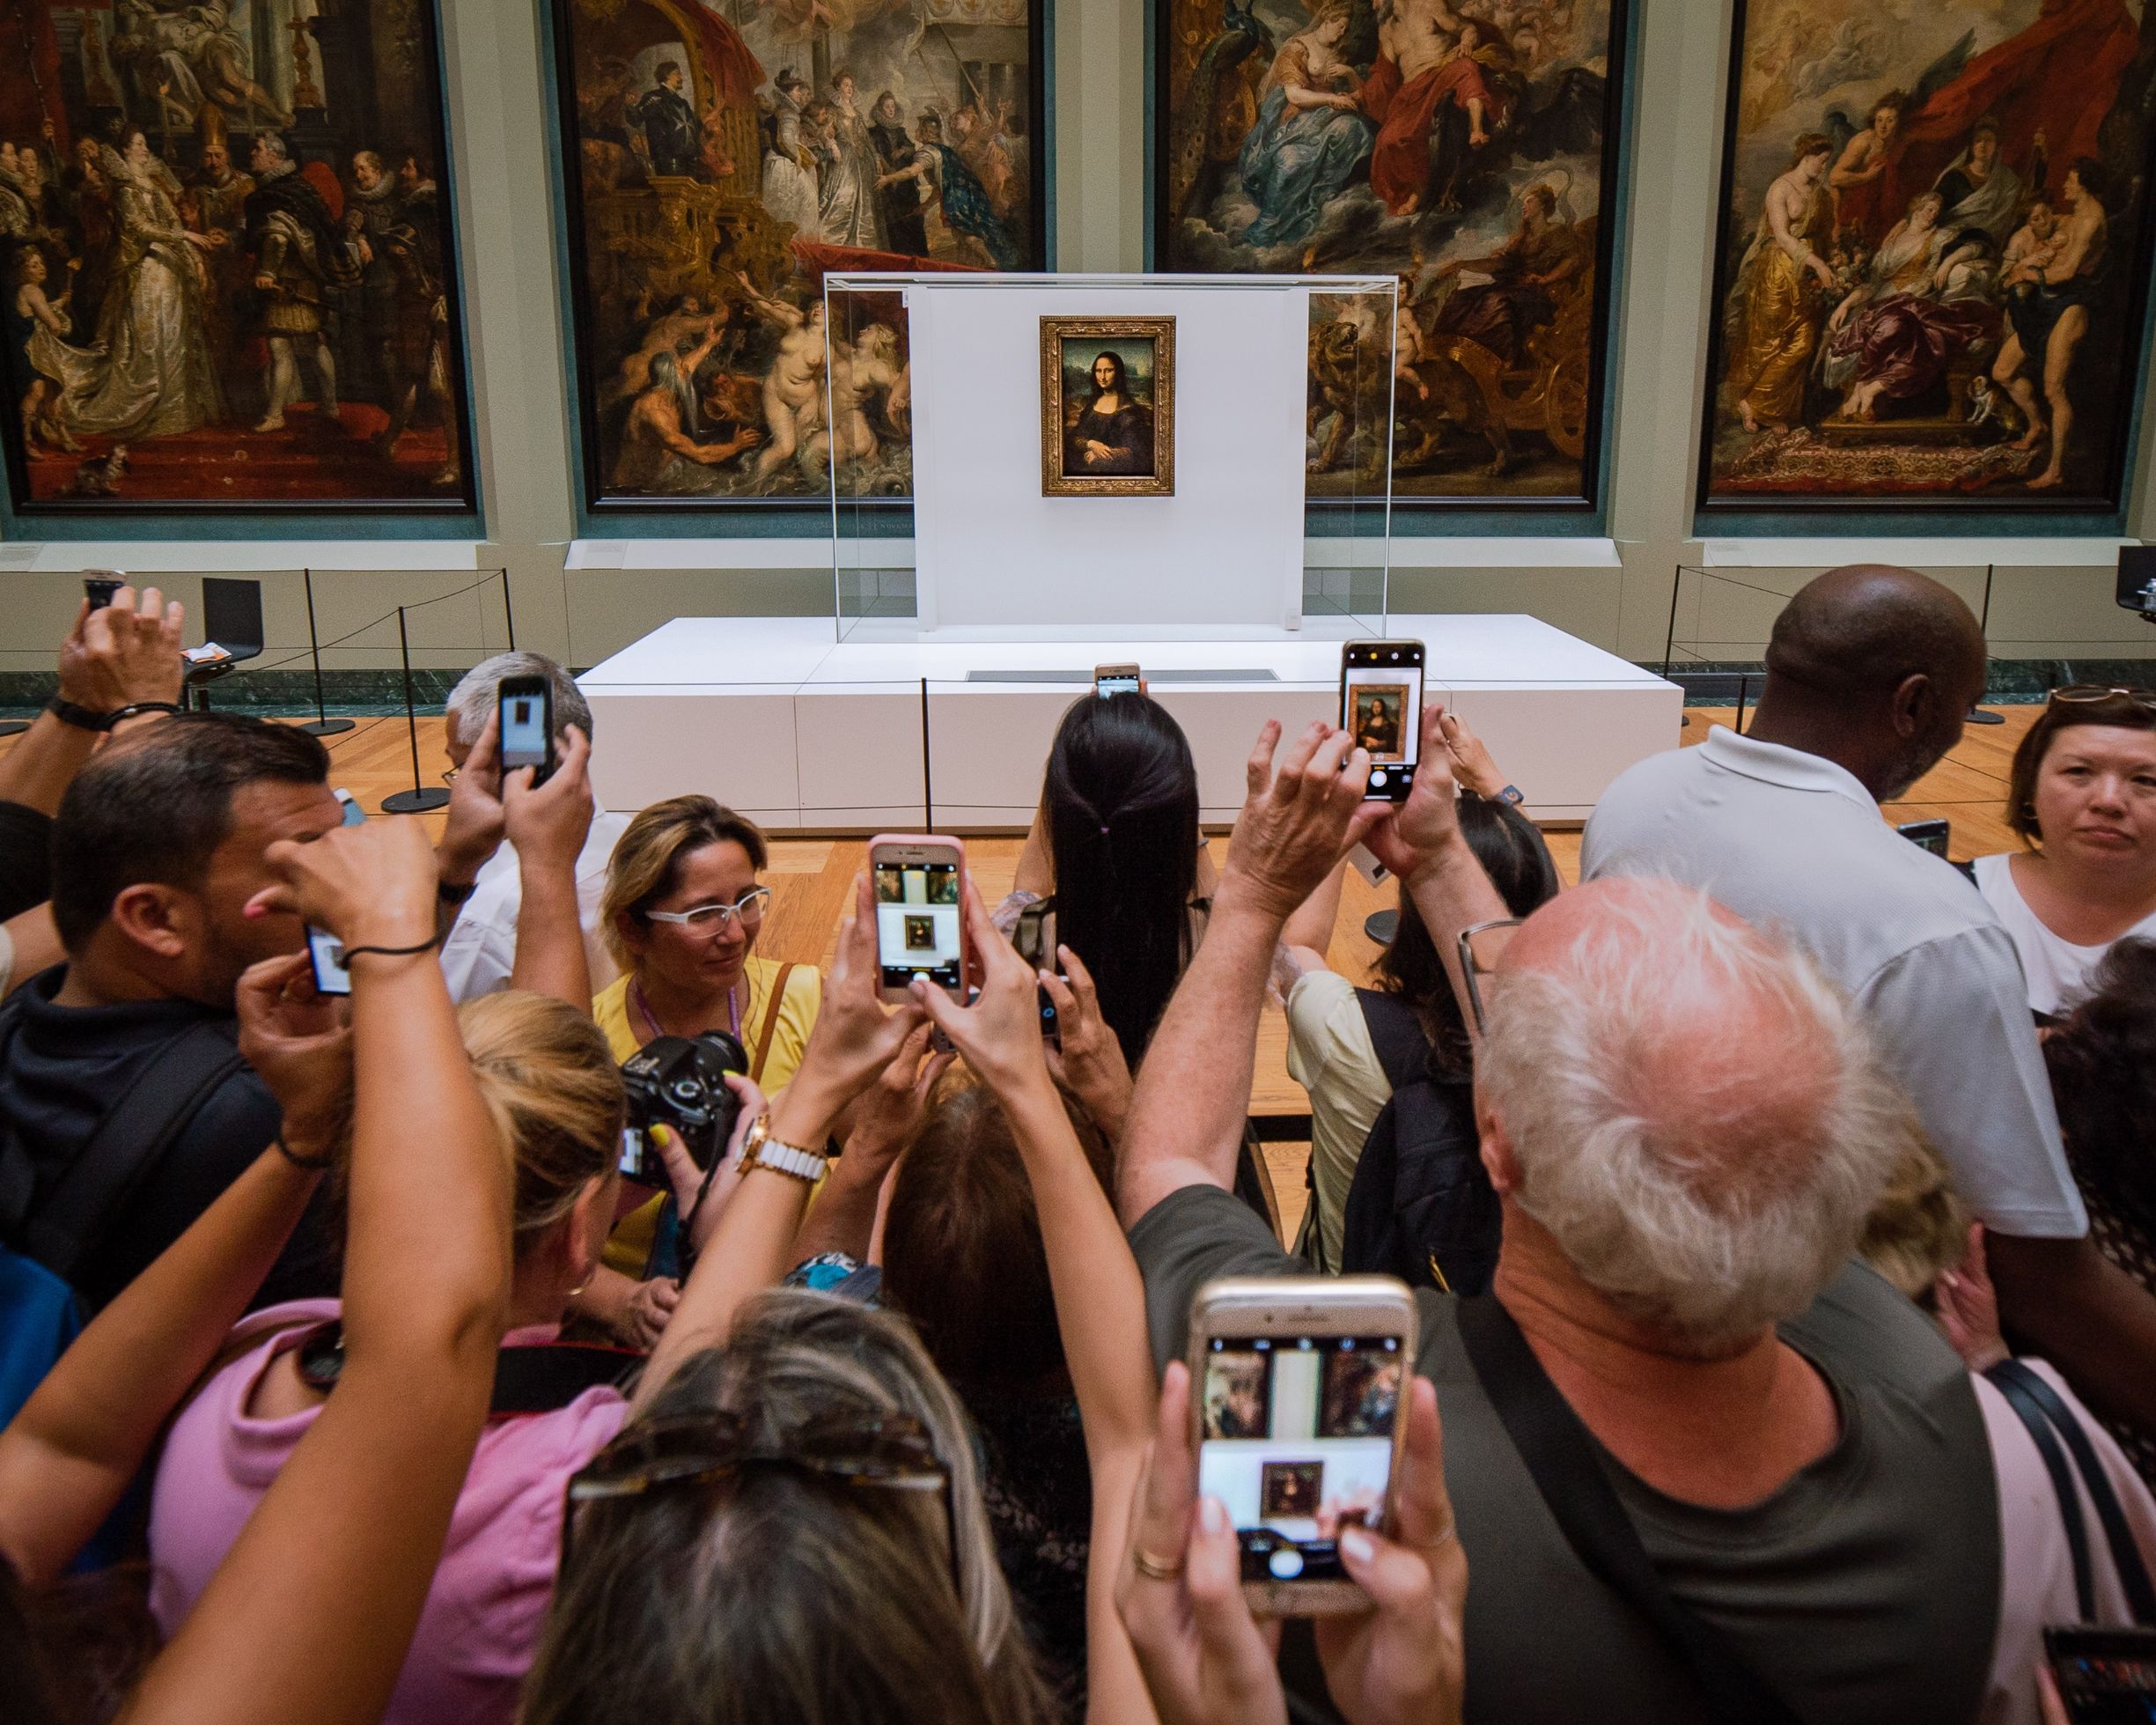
(1297, 1386)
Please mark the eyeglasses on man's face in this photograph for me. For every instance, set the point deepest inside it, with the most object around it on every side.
(717, 919)
(1481, 947)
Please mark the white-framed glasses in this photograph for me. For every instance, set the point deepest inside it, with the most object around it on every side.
(716, 918)
(1480, 948)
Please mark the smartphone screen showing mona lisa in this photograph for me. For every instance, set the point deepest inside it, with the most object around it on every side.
(1381, 708)
(917, 928)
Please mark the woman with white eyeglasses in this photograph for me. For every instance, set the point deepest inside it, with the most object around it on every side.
(681, 914)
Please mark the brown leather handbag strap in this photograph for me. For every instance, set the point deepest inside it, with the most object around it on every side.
(771, 1023)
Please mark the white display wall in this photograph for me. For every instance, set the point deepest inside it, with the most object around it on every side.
(1225, 551)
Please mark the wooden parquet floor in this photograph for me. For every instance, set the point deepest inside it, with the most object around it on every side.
(811, 879)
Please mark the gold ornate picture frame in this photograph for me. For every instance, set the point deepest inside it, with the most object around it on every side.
(1107, 407)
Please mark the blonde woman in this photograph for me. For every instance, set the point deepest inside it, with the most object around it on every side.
(682, 915)
(553, 1092)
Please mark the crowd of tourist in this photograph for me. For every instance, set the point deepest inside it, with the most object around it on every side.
(1780, 1208)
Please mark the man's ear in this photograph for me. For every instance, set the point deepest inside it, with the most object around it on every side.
(1915, 699)
(162, 921)
(1496, 1145)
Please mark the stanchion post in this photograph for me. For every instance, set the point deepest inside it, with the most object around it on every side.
(322, 725)
(421, 798)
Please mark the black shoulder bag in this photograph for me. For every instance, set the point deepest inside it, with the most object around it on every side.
(1561, 1459)
(61, 1230)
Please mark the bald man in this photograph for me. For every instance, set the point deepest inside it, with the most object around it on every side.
(1685, 1129)
(1870, 674)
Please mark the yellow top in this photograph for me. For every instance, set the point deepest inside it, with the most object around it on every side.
(630, 1247)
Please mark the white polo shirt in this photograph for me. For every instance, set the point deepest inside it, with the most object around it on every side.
(480, 951)
(1790, 841)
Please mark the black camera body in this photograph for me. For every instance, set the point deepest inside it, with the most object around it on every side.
(679, 1082)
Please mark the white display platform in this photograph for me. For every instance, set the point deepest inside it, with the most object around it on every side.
(801, 732)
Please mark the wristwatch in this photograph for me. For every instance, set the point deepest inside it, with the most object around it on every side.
(759, 1149)
(1511, 794)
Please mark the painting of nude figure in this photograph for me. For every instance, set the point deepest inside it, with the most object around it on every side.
(723, 156)
(1934, 256)
(228, 259)
(1461, 146)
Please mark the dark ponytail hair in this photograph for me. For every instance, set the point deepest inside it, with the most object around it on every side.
(1121, 804)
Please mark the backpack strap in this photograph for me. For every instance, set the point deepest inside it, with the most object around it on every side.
(771, 1023)
(2015, 1390)
(1560, 1457)
(1396, 1035)
(2133, 1576)
(132, 1138)
(548, 1375)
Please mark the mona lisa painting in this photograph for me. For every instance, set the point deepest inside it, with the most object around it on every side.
(1107, 407)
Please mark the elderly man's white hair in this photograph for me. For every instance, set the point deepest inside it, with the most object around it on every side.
(1697, 1114)
(471, 703)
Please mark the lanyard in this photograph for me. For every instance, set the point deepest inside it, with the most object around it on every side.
(643, 1006)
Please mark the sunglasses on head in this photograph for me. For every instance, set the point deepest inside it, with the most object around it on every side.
(876, 1452)
(2091, 694)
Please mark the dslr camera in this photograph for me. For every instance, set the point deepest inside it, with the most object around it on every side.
(679, 1082)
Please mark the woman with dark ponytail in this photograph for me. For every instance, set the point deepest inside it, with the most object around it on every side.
(1114, 872)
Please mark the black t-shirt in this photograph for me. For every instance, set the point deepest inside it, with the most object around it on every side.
(26, 859)
(65, 1066)
(1865, 1589)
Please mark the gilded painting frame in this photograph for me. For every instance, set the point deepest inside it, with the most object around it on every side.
(1924, 86)
(1146, 413)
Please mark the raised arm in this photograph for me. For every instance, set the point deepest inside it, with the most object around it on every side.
(311, 1614)
(843, 1217)
(1099, 1297)
(122, 655)
(749, 1251)
(1187, 1116)
(548, 826)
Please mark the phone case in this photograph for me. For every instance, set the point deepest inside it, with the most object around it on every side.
(966, 967)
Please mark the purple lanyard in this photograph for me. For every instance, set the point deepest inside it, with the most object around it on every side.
(643, 1006)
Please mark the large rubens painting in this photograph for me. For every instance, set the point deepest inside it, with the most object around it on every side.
(228, 267)
(1465, 147)
(1934, 253)
(723, 157)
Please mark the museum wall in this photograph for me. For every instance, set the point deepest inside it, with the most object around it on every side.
(2048, 594)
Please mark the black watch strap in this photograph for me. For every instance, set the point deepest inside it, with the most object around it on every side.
(82, 717)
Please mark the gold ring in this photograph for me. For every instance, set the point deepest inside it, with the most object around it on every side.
(1151, 1567)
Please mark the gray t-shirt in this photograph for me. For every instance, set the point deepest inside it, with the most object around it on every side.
(1790, 841)
(1865, 1589)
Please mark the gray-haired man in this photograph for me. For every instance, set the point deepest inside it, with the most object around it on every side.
(481, 949)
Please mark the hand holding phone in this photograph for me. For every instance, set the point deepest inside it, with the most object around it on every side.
(919, 884)
(1297, 1386)
(99, 586)
(1381, 708)
(525, 710)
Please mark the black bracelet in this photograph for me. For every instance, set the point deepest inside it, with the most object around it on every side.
(135, 708)
(351, 953)
(456, 892)
(311, 1164)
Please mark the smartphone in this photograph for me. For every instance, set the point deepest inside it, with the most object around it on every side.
(526, 705)
(920, 883)
(1117, 679)
(1297, 1387)
(1381, 708)
(2106, 1677)
(101, 585)
(1927, 834)
(354, 815)
(1051, 1027)
(328, 952)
